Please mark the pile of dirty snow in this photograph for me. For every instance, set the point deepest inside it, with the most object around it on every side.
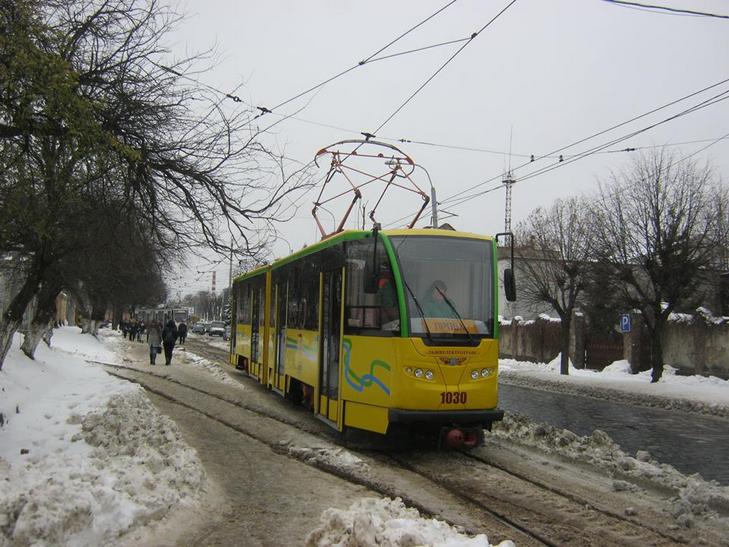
(388, 523)
(335, 459)
(213, 368)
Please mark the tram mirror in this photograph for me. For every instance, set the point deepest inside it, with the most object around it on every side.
(509, 285)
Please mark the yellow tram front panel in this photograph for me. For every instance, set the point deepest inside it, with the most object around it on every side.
(463, 377)
(406, 374)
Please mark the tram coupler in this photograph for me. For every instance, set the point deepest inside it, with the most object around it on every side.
(455, 437)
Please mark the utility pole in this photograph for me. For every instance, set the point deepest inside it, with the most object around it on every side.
(230, 280)
(434, 208)
(508, 183)
(230, 272)
(213, 300)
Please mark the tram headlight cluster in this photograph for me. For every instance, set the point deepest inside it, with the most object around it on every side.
(483, 373)
(420, 372)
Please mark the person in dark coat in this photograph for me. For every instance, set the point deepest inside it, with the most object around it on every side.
(133, 330)
(182, 332)
(169, 337)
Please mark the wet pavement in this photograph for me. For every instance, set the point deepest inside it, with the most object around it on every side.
(691, 443)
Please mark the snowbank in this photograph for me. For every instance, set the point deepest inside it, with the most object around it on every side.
(84, 457)
(388, 523)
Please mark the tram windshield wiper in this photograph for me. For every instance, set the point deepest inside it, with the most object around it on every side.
(458, 315)
(420, 309)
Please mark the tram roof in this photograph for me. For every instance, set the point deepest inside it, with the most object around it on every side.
(351, 235)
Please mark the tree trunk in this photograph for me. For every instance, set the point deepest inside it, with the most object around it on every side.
(13, 316)
(41, 322)
(564, 343)
(47, 337)
(98, 313)
(34, 334)
(86, 325)
(656, 356)
(116, 319)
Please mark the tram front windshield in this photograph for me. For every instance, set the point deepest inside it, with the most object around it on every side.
(448, 285)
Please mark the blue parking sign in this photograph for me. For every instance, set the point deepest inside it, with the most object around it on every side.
(625, 322)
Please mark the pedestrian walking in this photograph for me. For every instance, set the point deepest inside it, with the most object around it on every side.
(182, 332)
(133, 330)
(154, 339)
(169, 337)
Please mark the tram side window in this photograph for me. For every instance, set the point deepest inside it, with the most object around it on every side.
(272, 309)
(310, 294)
(244, 303)
(293, 316)
(367, 313)
(261, 305)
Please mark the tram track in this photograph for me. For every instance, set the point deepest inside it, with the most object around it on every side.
(589, 523)
(581, 500)
(379, 480)
(527, 510)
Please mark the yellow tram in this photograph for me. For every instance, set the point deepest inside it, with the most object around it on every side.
(378, 329)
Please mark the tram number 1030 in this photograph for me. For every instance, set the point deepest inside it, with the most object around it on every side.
(453, 397)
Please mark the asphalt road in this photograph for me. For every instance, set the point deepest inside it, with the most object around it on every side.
(691, 443)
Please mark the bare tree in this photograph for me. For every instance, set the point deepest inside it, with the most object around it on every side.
(658, 228)
(553, 262)
(87, 104)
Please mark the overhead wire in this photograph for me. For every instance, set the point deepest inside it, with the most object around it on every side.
(706, 103)
(371, 58)
(463, 196)
(474, 148)
(422, 86)
(364, 61)
(447, 62)
(669, 9)
(595, 135)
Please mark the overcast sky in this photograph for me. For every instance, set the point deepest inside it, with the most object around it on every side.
(543, 75)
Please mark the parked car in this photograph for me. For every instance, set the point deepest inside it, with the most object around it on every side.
(226, 334)
(198, 328)
(217, 328)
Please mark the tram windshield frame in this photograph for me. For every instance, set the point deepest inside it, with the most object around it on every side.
(448, 286)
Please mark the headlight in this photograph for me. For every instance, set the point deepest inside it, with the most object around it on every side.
(428, 374)
(418, 372)
(486, 372)
(474, 374)
(408, 370)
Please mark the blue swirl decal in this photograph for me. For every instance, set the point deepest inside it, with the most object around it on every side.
(357, 383)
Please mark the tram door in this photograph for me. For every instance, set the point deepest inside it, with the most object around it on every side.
(330, 335)
(280, 360)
